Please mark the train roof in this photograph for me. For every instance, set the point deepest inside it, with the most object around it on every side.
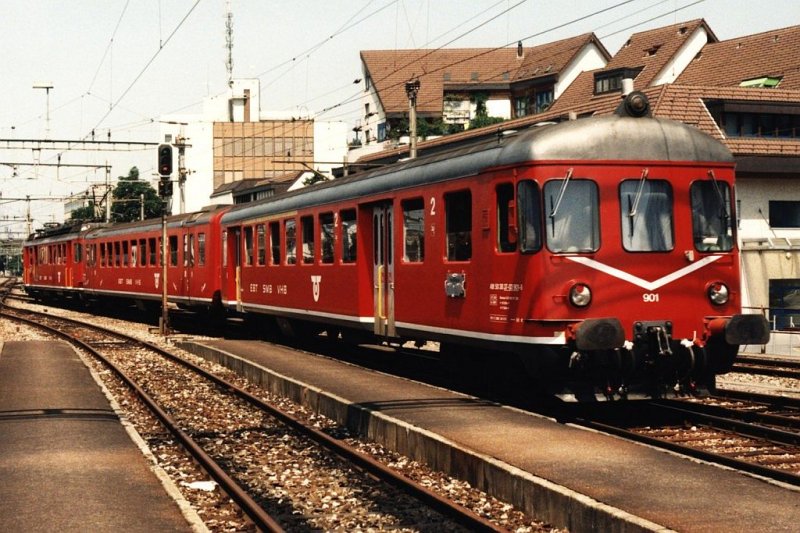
(60, 232)
(606, 138)
(154, 224)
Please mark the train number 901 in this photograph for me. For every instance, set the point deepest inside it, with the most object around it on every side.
(650, 297)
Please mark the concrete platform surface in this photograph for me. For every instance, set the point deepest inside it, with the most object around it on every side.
(568, 476)
(66, 462)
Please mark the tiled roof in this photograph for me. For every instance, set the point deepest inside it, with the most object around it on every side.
(677, 102)
(728, 63)
(436, 69)
(652, 50)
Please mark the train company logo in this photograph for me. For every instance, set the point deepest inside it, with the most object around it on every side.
(643, 283)
(315, 281)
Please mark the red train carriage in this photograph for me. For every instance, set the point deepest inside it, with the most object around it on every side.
(125, 260)
(601, 251)
(54, 261)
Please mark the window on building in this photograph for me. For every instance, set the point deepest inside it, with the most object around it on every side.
(764, 82)
(712, 225)
(784, 214)
(326, 241)
(413, 230)
(458, 225)
(572, 215)
(290, 230)
(349, 233)
(646, 213)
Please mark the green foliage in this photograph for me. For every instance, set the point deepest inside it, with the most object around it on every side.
(126, 204)
(482, 118)
(87, 213)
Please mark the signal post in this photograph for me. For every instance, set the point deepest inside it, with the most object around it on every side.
(165, 192)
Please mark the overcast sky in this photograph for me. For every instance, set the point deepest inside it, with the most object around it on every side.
(117, 65)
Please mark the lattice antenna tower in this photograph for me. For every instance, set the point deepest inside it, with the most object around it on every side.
(229, 41)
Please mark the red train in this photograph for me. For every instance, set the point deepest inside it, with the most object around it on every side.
(601, 252)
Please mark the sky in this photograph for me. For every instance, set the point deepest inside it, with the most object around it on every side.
(116, 66)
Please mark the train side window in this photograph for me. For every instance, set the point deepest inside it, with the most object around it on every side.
(413, 230)
(349, 234)
(173, 250)
(201, 249)
(185, 249)
(529, 216)
(290, 229)
(507, 233)
(125, 256)
(458, 222)
(261, 244)
(275, 243)
(151, 244)
(712, 225)
(307, 225)
(117, 254)
(142, 252)
(191, 250)
(102, 255)
(134, 253)
(225, 248)
(248, 245)
(77, 252)
(573, 215)
(646, 214)
(326, 242)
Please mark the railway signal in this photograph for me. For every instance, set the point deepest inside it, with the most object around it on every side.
(164, 170)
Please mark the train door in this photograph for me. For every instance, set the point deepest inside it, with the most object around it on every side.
(233, 255)
(383, 270)
(188, 264)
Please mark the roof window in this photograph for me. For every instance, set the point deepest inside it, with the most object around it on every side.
(764, 82)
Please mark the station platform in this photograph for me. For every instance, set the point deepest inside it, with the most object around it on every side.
(66, 461)
(565, 475)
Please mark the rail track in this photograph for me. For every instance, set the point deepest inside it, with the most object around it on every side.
(761, 438)
(762, 366)
(216, 438)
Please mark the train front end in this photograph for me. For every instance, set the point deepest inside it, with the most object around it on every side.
(642, 265)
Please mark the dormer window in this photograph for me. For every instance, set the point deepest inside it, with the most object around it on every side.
(652, 50)
(611, 80)
(765, 82)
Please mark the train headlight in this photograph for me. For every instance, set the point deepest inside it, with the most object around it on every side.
(718, 293)
(580, 295)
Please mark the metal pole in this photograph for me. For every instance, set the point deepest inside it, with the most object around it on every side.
(141, 206)
(108, 193)
(164, 322)
(412, 88)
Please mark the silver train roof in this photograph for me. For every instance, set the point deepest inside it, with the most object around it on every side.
(592, 139)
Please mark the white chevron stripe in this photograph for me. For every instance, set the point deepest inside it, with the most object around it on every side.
(646, 285)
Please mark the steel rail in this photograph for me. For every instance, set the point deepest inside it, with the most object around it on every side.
(249, 506)
(452, 510)
(681, 449)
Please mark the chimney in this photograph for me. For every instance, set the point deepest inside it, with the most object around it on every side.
(627, 86)
(519, 50)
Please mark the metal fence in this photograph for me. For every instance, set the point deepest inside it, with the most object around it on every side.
(784, 338)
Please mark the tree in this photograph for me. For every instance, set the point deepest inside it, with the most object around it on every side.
(126, 199)
(87, 213)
